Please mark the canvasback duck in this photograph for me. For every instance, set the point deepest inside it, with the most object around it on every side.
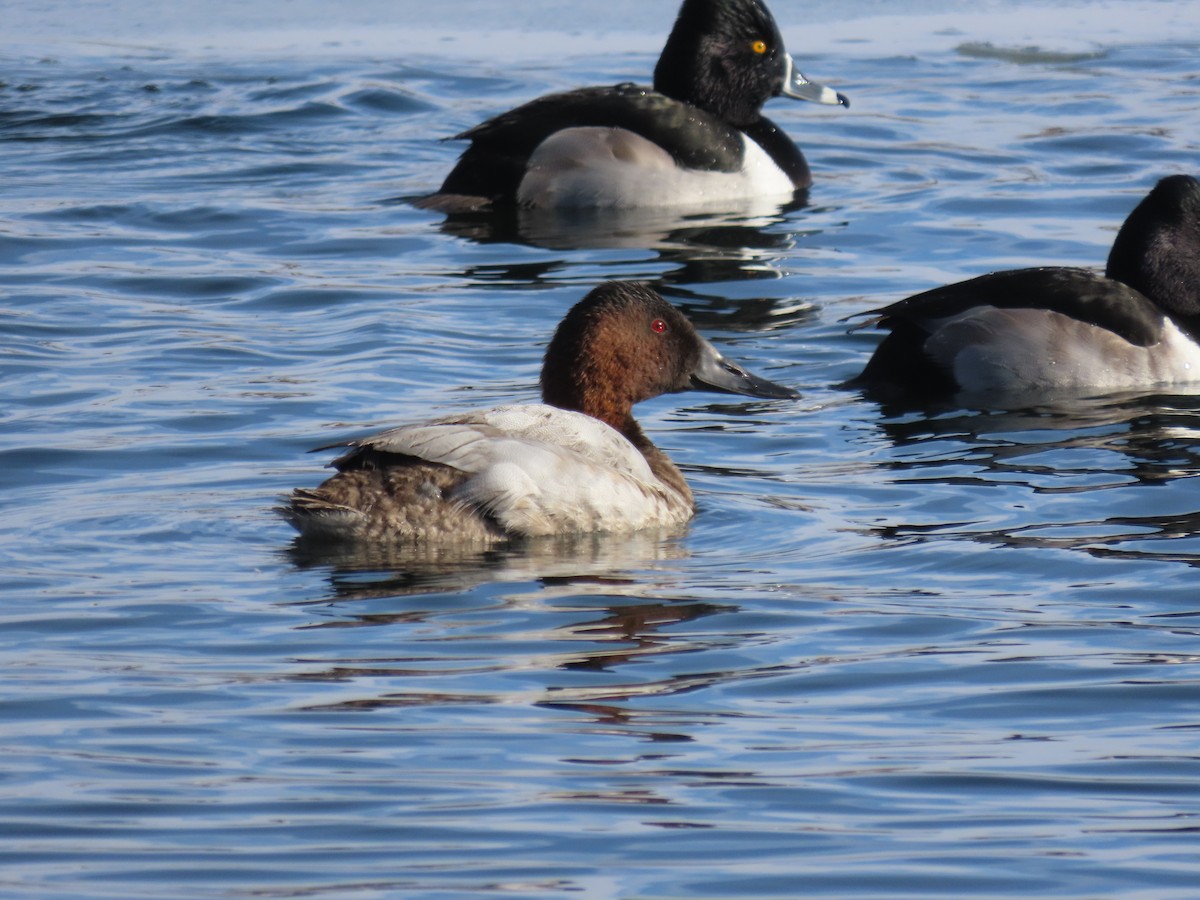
(1059, 329)
(578, 462)
(697, 136)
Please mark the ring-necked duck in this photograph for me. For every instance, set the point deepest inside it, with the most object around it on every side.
(1059, 329)
(698, 136)
(578, 462)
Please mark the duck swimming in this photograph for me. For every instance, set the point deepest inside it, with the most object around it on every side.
(1057, 328)
(697, 136)
(579, 462)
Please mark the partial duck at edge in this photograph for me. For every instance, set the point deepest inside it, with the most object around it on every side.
(1057, 329)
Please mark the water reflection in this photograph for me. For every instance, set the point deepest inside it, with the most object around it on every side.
(614, 626)
(1060, 448)
(699, 246)
(591, 604)
(1113, 537)
(1155, 437)
(362, 570)
(654, 228)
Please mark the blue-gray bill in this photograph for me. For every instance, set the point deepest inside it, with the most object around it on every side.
(797, 86)
(714, 372)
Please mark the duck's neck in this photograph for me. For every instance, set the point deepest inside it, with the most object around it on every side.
(617, 413)
(782, 150)
(1173, 285)
(660, 464)
(1155, 253)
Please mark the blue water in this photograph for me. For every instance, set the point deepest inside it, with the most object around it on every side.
(899, 652)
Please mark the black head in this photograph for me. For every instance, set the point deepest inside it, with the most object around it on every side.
(1157, 250)
(724, 56)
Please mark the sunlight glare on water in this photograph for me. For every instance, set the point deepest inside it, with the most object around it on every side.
(899, 652)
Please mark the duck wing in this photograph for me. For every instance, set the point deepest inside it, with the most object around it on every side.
(1081, 294)
(533, 469)
(493, 166)
(462, 441)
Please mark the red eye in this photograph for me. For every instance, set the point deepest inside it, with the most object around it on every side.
(658, 326)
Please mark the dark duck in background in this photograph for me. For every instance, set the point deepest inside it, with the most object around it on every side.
(697, 137)
(1057, 329)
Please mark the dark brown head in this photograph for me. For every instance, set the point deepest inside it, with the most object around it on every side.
(623, 343)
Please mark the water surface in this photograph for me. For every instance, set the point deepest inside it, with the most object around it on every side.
(899, 652)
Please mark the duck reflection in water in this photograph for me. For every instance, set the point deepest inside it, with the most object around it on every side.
(1044, 459)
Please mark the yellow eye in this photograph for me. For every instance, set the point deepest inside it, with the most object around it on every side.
(759, 47)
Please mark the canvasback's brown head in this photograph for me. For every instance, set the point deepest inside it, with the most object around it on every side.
(623, 343)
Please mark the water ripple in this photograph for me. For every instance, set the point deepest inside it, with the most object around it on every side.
(915, 651)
